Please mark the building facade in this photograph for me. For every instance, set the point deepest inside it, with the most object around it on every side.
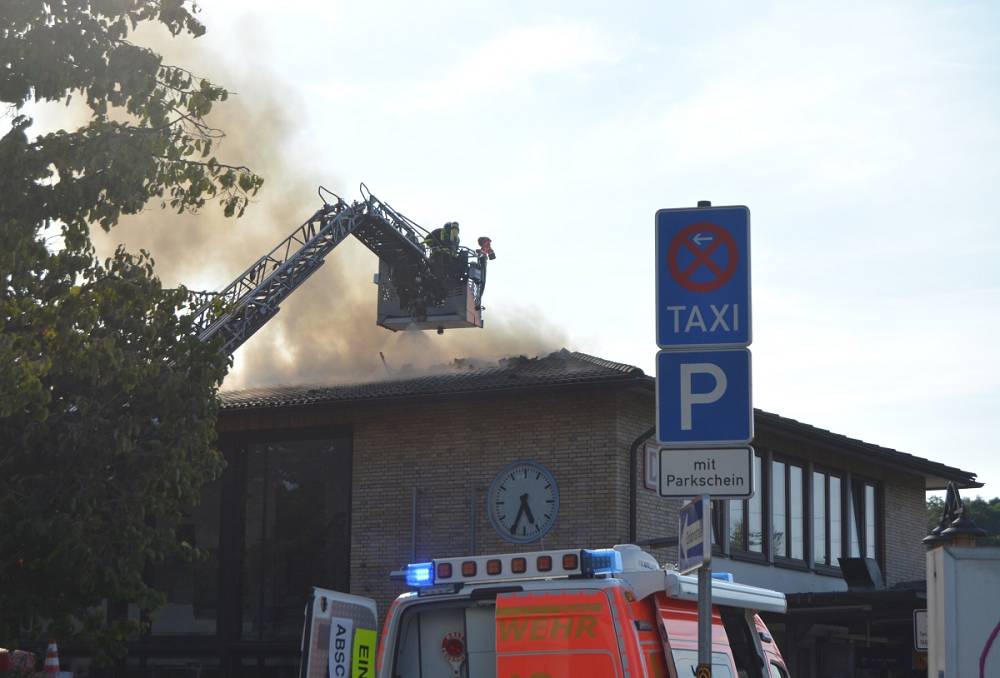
(336, 487)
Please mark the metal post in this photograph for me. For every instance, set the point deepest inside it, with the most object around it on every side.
(705, 594)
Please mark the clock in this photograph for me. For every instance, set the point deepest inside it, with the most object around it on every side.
(523, 502)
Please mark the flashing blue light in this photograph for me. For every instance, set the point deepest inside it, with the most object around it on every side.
(420, 574)
(600, 561)
(723, 576)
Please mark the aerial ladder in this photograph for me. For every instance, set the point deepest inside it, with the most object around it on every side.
(419, 285)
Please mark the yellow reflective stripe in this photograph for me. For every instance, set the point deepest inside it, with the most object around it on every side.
(363, 655)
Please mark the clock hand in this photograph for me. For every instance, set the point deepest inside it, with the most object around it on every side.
(527, 509)
(517, 519)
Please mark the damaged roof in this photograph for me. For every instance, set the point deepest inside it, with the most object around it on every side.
(563, 368)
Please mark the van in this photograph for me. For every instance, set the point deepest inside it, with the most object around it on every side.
(572, 613)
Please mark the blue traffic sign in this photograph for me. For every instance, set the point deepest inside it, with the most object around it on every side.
(703, 277)
(703, 397)
(694, 549)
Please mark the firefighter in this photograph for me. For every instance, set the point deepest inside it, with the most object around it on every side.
(444, 254)
(444, 239)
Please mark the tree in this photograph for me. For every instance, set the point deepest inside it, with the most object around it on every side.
(107, 398)
(984, 513)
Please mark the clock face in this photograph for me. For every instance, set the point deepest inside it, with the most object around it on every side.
(523, 502)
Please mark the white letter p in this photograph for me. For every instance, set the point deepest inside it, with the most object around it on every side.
(689, 397)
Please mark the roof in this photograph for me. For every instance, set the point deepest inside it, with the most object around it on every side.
(562, 368)
(936, 474)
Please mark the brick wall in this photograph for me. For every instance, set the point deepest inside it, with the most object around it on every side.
(905, 516)
(451, 451)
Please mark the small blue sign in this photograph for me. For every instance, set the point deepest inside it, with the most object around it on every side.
(693, 547)
(703, 397)
(703, 277)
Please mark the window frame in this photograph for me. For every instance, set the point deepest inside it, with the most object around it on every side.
(743, 551)
(833, 567)
(783, 559)
(851, 486)
(858, 485)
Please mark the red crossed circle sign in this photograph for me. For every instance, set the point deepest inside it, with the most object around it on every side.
(702, 240)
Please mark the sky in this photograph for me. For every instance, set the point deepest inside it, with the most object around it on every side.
(864, 139)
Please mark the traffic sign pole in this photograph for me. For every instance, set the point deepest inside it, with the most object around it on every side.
(705, 594)
(703, 378)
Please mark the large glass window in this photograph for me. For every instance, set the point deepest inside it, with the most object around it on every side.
(787, 510)
(807, 512)
(191, 585)
(745, 523)
(836, 521)
(779, 525)
(820, 553)
(755, 510)
(296, 531)
(826, 520)
(862, 525)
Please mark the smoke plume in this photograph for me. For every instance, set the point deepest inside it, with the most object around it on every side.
(325, 332)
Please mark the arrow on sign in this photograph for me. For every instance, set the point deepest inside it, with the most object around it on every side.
(700, 237)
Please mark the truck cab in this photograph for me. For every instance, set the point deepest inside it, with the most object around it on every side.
(576, 613)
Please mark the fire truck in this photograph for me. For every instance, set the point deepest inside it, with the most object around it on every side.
(570, 613)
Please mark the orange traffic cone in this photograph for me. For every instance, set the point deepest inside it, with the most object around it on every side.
(52, 659)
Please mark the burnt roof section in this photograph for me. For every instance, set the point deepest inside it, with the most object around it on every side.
(936, 473)
(562, 368)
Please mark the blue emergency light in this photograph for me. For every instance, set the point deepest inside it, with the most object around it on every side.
(420, 574)
(723, 576)
(600, 561)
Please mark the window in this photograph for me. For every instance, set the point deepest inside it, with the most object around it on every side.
(192, 586)
(862, 526)
(827, 525)
(809, 512)
(787, 510)
(745, 523)
(686, 663)
(296, 531)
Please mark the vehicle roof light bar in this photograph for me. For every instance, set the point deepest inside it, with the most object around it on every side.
(512, 567)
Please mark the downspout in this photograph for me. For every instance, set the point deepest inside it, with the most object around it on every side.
(633, 489)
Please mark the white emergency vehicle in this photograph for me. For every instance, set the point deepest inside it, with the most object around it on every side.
(576, 613)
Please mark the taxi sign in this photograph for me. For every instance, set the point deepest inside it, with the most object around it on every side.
(703, 277)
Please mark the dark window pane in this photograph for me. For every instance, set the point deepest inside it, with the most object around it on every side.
(836, 521)
(737, 527)
(296, 536)
(718, 507)
(192, 587)
(819, 518)
(853, 539)
(869, 521)
(778, 538)
(755, 513)
(797, 518)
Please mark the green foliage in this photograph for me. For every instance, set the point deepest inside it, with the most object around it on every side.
(984, 513)
(107, 398)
